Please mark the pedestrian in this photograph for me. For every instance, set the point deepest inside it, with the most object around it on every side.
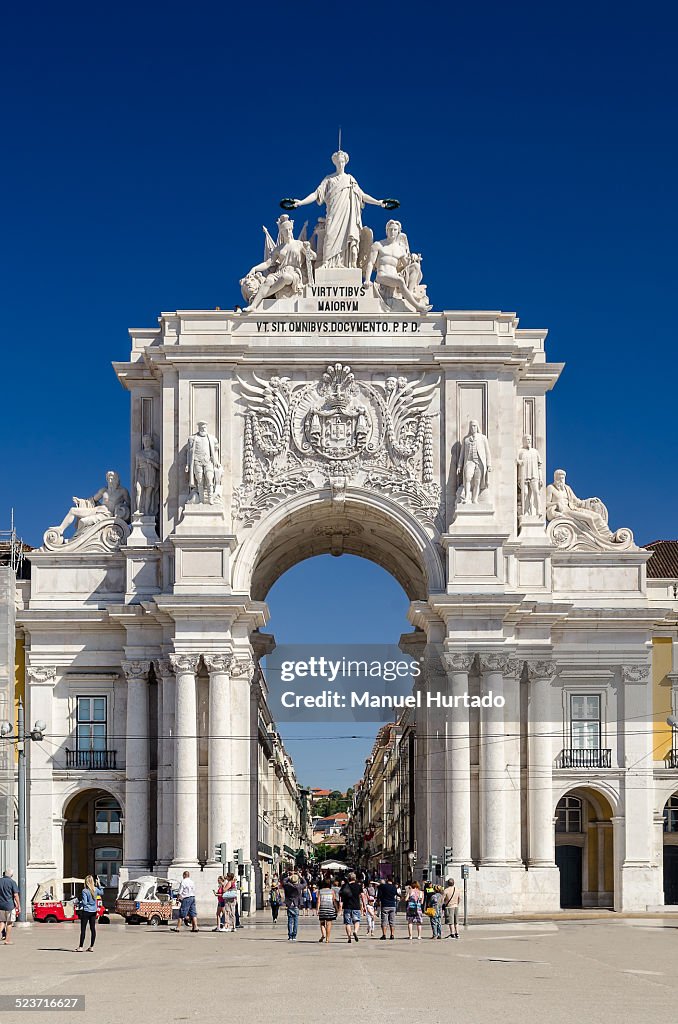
(230, 902)
(314, 898)
(10, 905)
(306, 900)
(350, 894)
(414, 899)
(369, 903)
(186, 897)
(328, 906)
(219, 893)
(294, 894)
(434, 910)
(274, 902)
(451, 897)
(88, 912)
(387, 900)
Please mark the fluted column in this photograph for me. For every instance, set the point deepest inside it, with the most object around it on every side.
(458, 760)
(512, 782)
(540, 804)
(492, 762)
(185, 761)
(164, 671)
(137, 766)
(219, 751)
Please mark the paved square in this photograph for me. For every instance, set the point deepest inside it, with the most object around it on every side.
(515, 973)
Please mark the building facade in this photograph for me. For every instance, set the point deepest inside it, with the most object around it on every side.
(338, 413)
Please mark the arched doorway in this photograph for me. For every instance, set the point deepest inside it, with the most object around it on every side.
(93, 838)
(584, 845)
(670, 850)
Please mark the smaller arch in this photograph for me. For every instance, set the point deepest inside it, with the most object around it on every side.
(604, 798)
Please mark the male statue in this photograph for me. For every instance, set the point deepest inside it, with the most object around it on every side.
(474, 464)
(398, 269)
(530, 477)
(147, 478)
(202, 465)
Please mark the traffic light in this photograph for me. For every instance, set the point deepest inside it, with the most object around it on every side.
(448, 855)
(220, 852)
(439, 871)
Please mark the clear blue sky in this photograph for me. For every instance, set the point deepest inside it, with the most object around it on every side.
(532, 146)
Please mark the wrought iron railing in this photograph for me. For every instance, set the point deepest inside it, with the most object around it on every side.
(574, 757)
(671, 759)
(91, 760)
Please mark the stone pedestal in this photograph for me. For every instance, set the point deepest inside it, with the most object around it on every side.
(202, 551)
(143, 533)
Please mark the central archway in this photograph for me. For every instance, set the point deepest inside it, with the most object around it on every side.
(356, 521)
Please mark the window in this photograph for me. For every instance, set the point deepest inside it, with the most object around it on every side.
(107, 865)
(585, 721)
(569, 815)
(91, 723)
(671, 814)
(107, 817)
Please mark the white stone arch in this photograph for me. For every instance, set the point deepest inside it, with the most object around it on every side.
(664, 792)
(82, 786)
(363, 522)
(587, 790)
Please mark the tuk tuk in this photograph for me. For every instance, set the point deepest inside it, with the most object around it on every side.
(147, 898)
(56, 899)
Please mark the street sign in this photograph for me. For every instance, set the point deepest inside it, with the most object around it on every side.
(465, 870)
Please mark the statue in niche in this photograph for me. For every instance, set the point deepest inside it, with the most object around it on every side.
(203, 466)
(111, 501)
(475, 464)
(288, 267)
(530, 477)
(398, 270)
(147, 478)
(344, 201)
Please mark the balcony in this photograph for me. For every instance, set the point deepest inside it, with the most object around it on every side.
(91, 760)
(580, 758)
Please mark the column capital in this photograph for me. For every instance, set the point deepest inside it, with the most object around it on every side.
(185, 662)
(163, 668)
(242, 667)
(490, 662)
(541, 668)
(458, 661)
(41, 673)
(215, 663)
(136, 671)
(636, 673)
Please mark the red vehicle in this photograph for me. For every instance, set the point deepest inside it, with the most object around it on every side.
(56, 899)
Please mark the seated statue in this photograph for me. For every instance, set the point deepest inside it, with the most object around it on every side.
(584, 519)
(111, 501)
(398, 270)
(286, 270)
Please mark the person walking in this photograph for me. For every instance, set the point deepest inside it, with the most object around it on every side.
(186, 897)
(219, 893)
(88, 912)
(274, 902)
(10, 905)
(434, 910)
(387, 900)
(294, 894)
(451, 898)
(413, 909)
(350, 893)
(328, 906)
(230, 902)
(369, 903)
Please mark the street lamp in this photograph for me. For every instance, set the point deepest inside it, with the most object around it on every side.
(37, 734)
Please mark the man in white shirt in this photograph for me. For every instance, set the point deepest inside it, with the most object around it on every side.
(186, 897)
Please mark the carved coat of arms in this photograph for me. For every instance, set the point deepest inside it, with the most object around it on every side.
(334, 431)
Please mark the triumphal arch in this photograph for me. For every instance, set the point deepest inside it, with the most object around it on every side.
(342, 410)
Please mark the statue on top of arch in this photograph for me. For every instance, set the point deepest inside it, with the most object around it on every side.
(340, 240)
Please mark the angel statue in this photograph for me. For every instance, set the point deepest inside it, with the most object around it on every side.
(398, 269)
(287, 269)
(344, 200)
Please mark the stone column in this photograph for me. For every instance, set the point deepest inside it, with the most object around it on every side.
(492, 763)
(242, 670)
(137, 768)
(512, 782)
(185, 762)
(42, 851)
(458, 760)
(540, 804)
(164, 671)
(219, 771)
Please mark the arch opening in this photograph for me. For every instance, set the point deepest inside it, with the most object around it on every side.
(93, 838)
(584, 848)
